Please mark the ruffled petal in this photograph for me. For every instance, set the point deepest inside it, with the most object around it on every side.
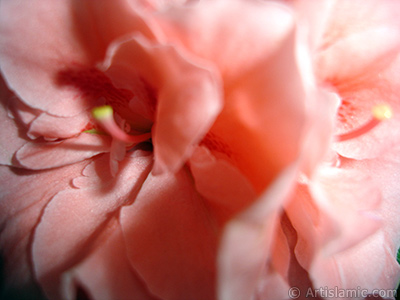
(23, 196)
(247, 240)
(74, 218)
(171, 238)
(336, 211)
(377, 254)
(189, 95)
(45, 155)
(52, 127)
(370, 266)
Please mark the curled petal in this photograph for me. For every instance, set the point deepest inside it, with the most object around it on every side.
(189, 96)
(52, 127)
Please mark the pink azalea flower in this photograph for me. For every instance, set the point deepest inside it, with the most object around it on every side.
(91, 206)
(165, 150)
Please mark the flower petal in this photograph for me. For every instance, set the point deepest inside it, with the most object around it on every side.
(188, 96)
(370, 266)
(23, 196)
(225, 32)
(262, 124)
(226, 190)
(367, 76)
(33, 53)
(170, 218)
(106, 273)
(45, 155)
(338, 210)
(58, 127)
(10, 137)
(247, 241)
(75, 217)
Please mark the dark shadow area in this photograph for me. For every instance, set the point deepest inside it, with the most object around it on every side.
(7, 292)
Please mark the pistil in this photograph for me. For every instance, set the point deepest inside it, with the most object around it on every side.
(105, 116)
(379, 114)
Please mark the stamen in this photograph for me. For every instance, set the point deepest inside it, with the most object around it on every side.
(104, 115)
(379, 114)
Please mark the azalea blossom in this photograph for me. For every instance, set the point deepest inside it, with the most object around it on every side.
(164, 150)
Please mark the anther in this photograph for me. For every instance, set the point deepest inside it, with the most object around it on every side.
(379, 114)
(105, 116)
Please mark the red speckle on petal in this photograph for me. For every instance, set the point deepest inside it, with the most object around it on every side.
(215, 144)
(347, 111)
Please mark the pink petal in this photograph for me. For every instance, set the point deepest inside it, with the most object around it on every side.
(355, 111)
(23, 195)
(221, 184)
(58, 127)
(75, 217)
(377, 253)
(252, 106)
(33, 53)
(370, 265)
(348, 28)
(385, 171)
(45, 155)
(10, 139)
(113, 19)
(171, 238)
(339, 210)
(189, 96)
(261, 88)
(272, 286)
(21, 112)
(366, 76)
(246, 245)
(234, 35)
(106, 273)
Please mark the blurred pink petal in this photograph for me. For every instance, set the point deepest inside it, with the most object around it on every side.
(247, 241)
(370, 76)
(226, 190)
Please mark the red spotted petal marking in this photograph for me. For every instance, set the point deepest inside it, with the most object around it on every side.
(379, 114)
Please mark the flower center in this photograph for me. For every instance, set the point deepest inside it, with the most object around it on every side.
(379, 114)
(105, 116)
